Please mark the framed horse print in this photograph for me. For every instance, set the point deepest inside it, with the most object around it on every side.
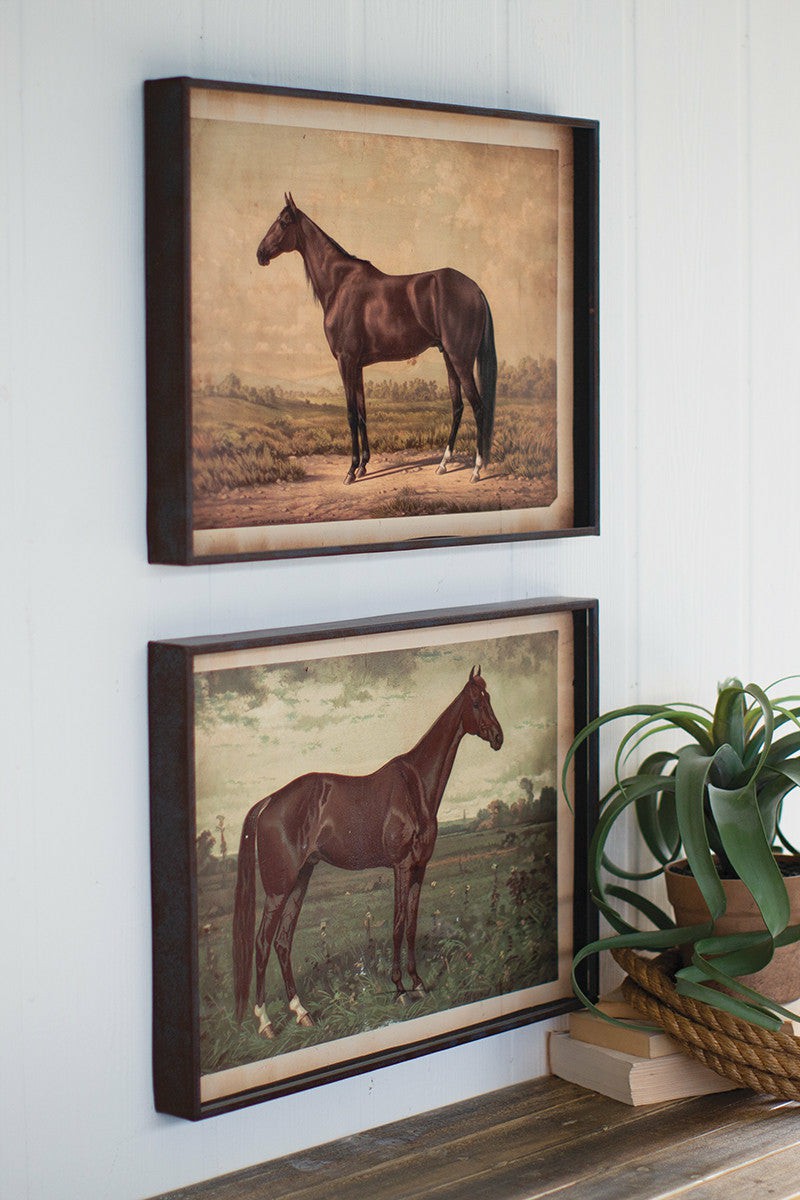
(371, 323)
(358, 854)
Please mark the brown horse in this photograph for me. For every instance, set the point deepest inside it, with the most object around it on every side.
(386, 819)
(370, 317)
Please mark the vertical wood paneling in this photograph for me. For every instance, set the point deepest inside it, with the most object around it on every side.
(690, 389)
(425, 47)
(774, 426)
(774, 416)
(16, 735)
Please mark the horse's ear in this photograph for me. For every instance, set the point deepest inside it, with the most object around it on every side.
(291, 203)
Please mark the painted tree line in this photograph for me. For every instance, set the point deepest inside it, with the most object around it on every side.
(529, 809)
(531, 378)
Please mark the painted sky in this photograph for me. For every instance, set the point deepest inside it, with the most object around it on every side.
(260, 727)
(406, 204)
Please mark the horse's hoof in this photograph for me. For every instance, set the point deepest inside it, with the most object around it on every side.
(441, 469)
(402, 998)
(264, 1024)
(361, 472)
(475, 477)
(265, 1029)
(349, 477)
(301, 1015)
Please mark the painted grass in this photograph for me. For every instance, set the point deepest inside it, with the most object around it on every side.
(238, 443)
(486, 927)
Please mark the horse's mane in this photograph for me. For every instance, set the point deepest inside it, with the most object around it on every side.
(341, 249)
(331, 242)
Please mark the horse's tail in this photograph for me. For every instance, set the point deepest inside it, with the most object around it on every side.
(244, 911)
(487, 375)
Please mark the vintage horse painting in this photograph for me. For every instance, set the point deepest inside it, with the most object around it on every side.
(371, 317)
(387, 818)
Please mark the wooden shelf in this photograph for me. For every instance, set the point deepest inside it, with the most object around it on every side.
(530, 1140)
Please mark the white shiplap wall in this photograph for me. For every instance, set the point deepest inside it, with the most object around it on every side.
(696, 569)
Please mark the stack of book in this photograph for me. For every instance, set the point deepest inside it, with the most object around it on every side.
(642, 1065)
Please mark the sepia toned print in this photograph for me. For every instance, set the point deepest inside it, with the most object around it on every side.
(290, 440)
(357, 850)
(413, 869)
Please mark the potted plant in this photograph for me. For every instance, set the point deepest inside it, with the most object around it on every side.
(709, 811)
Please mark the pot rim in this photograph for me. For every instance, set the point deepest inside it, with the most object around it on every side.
(674, 867)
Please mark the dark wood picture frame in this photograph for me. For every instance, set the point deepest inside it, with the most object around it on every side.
(224, 512)
(227, 711)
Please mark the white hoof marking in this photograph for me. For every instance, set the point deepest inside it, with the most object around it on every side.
(264, 1024)
(302, 1016)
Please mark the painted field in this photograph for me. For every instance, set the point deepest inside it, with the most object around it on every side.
(262, 457)
(486, 927)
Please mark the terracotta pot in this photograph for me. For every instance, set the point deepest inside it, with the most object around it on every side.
(780, 979)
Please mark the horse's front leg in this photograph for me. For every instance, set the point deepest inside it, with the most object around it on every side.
(361, 409)
(353, 381)
(402, 878)
(412, 911)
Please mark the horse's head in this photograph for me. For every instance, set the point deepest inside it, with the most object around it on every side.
(282, 234)
(477, 713)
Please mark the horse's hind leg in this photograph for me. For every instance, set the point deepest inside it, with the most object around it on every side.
(467, 379)
(458, 408)
(284, 938)
(270, 918)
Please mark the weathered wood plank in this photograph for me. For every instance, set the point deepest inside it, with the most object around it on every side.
(668, 1152)
(486, 1157)
(385, 1144)
(576, 1160)
(527, 1141)
(774, 1175)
